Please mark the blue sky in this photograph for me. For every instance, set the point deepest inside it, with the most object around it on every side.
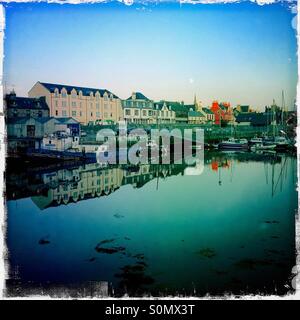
(243, 53)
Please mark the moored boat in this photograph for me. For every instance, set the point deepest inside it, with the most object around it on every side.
(233, 144)
(282, 143)
(255, 140)
(260, 146)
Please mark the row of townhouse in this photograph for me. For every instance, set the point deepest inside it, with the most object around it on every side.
(139, 109)
(100, 106)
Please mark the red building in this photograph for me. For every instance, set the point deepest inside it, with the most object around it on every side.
(222, 111)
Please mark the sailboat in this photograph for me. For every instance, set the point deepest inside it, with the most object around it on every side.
(279, 141)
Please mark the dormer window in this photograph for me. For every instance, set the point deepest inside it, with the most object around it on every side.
(105, 96)
(74, 94)
(64, 93)
(56, 93)
(80, 94)
(91, 95)
(97, 95)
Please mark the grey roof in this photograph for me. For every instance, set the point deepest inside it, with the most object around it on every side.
(244, 117)
(244, 108)
(67, 119)
(12, 101)
(85, 90)
(190, 106)
(195, 114)
(159, 105)
(207, 110)
(255, 118)
(22, 120)
(138, 96)
(180, 109)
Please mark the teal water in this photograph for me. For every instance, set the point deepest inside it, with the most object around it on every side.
(230, 229)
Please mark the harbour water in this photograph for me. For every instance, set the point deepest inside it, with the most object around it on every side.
(153, 229)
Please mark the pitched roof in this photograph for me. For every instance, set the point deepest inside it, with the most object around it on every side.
(67, 119)
(190, 106)
(138, 96)
(13, 101)
(85, 90)
(255, 118)
(22, 120)
(159, 105)
(195, 114)
(208, 111)
(244, 117)
(244, 108)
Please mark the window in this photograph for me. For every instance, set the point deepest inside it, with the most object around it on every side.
(150, 113)
(64, 103)
(98, 114)
(80, 104)
(73, 104)
(56, 112)
(80, 113)
(144, 113)
(136, 112)
(56, 103)
(56, 93)
(105, 97)
(91, 114)
(97, 106)
(64, 113)
(64, 94)
(127, 112)
(73, 113)
(91, 105)
(105, 106)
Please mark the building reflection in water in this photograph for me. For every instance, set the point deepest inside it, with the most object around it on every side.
(53, 187)
(234, 220)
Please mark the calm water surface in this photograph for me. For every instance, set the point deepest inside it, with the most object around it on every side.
(154, 229)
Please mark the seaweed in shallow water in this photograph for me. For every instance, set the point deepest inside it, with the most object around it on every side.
(207, 252)
(105, 241)
(109, 250)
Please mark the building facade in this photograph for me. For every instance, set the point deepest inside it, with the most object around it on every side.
(164, 113)
(20, 107)
(223, 112)
(138, 109)
(196, 117)
(86, 105)
(141, 110)
(209, 115)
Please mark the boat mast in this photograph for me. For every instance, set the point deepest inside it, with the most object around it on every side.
(274, 119)
(282, 108)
